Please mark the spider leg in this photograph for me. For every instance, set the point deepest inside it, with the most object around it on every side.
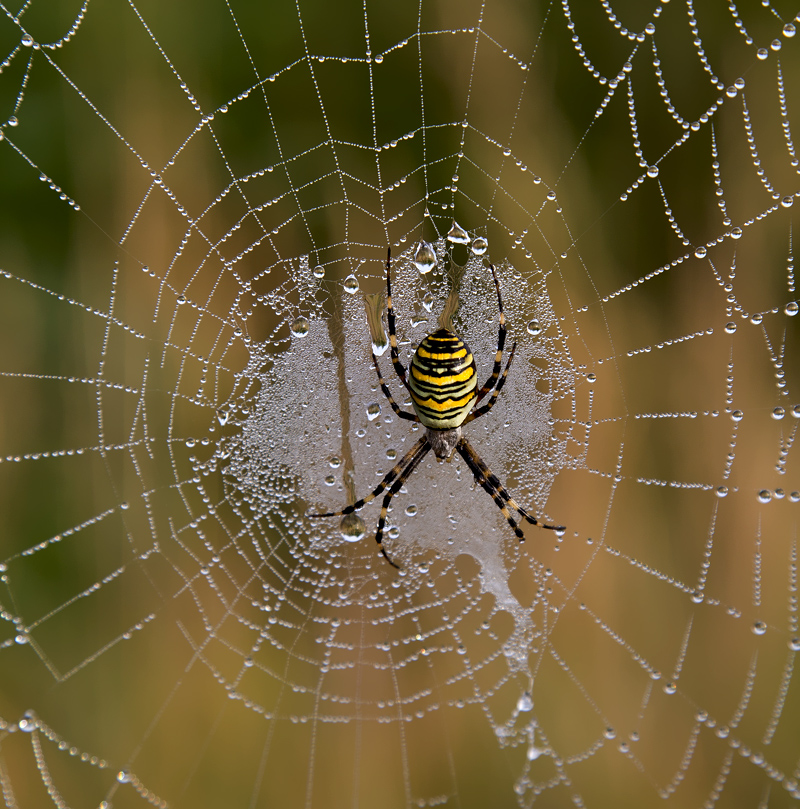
(396, 486)
(388, 395)
(398, 366)
(481, 411)
(492, 484)
(390, 476)
(501, 341)
(461, 447)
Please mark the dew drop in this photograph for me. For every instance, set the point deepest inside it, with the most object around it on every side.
(794, 644)
(764, 496)
(457, 234)
(352, 528)
(652, 171)
(330, 480)
(787, 202)
(124, 777)
(759, 628)
(796, 411)
(591, 378)
(411, 510)
(373, 411)
(789, 30)
(791, 308)
(730, 327)
(427, 302)
(737, 415)
(319, 271)
(424, 257)
(701, 252)
(778, 413)
(180, 300)
(480, 246)
(27, 40)
(722, 491)
(351, 284)
(736, 233)
(534, 327)
(762, 54)
(756, 319)
(300, 327)
(525, 702)
(27, 724)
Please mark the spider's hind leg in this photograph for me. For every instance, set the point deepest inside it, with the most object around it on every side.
(463, 450)
(396, 470)
(396, 486)
(491, 484)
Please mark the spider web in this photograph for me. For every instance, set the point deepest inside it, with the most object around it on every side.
(197, 203)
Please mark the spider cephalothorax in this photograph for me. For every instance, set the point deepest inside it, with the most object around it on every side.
(443, 386)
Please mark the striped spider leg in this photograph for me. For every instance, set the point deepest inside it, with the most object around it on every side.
(398, 473)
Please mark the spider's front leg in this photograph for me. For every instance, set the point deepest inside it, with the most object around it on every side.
(388, 395)
(501, 341)
(398, 366)
(481, 411)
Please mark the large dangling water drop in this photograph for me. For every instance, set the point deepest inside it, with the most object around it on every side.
(425, 257)
(480, 246)
(352, 528)
(457, 234)
(300, 327)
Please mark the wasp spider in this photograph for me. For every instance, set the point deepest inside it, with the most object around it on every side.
(444, 390)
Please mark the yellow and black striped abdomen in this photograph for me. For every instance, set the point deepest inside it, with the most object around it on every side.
(443, 380)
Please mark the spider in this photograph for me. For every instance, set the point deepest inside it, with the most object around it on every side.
(443, 386)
